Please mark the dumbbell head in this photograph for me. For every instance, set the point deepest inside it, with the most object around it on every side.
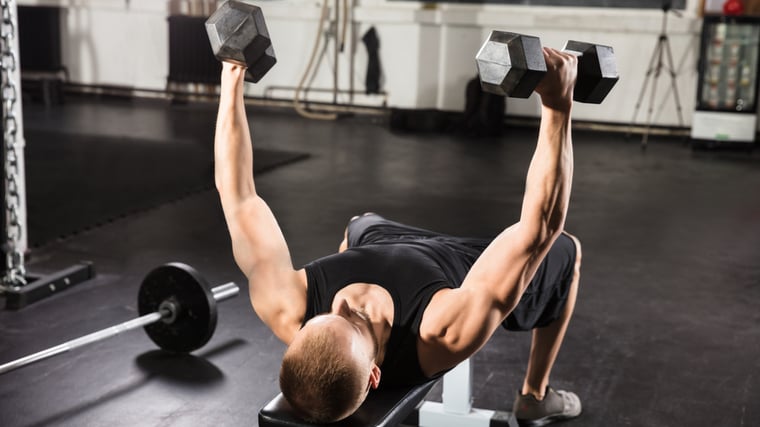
(597, 71)
(238, 34)
(510, 64)
(190, 307)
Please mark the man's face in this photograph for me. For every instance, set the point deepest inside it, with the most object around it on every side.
(353, 326)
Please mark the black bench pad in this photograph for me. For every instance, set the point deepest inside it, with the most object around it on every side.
(383, 407)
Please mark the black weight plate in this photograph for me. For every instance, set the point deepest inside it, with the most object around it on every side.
(196, 314)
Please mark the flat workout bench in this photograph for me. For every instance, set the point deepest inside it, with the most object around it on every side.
(383, 408)
(404, 405)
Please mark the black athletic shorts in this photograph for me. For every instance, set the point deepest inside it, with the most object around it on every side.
(543, 300)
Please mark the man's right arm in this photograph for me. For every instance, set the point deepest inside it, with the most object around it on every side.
(277, 291)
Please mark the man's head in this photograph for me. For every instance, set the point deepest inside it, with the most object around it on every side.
(330, 366)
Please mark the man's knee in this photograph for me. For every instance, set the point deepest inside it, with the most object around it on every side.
(355, 217)
(344, 244)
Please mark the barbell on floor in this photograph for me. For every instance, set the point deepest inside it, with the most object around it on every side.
(177, 309)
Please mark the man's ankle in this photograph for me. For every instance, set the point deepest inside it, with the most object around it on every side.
(537, 393)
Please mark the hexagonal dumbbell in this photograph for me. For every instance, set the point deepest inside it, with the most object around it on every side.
(597, 71)
(513, 65)
(508, 64)
(238, 34)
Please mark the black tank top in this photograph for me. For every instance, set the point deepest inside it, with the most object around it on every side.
(412, 264)
(411, 270)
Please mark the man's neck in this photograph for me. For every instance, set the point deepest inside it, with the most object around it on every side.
(382, 332)
(381, 319)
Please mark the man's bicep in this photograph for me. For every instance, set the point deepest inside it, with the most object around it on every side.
(460, 322)
(455, 325)
(492, 288)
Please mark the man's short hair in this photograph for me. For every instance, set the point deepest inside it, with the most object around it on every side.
(320, 380)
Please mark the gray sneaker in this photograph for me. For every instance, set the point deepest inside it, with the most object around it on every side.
(555, 406)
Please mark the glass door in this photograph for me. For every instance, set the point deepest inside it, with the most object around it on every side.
(729, 64)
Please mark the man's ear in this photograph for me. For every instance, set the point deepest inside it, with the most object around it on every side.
(374, 377)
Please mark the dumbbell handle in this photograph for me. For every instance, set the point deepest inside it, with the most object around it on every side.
(221, 293)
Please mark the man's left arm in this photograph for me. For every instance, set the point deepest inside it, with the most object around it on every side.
(461, 321)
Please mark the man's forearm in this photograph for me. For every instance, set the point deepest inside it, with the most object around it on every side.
(549, 180)
(233, 153)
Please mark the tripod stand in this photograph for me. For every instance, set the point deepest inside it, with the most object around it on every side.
(656, 65)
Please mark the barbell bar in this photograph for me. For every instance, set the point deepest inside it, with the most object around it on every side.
(178, 312)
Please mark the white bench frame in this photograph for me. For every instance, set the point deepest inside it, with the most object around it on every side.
(456, 409)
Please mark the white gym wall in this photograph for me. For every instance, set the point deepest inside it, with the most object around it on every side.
(427, 53)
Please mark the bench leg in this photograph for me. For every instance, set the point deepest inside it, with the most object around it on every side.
(456, 409)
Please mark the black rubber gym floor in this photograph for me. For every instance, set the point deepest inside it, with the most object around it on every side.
(667, 326)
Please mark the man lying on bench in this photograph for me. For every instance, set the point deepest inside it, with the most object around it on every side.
(402, 305)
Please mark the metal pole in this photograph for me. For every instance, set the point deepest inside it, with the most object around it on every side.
(221, 293)
(13, 145)
(81, 341)
(13, 281)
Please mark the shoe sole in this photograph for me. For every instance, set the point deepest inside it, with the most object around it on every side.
(544, 421)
